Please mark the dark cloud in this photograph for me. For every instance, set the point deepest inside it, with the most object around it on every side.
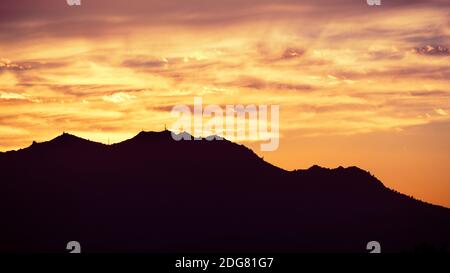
(90, 90)
(257, 83)
(431, 33)
(415, 93)
(433, 93)
(8, 65)
(436, 37)
(433, 50)
(436, 72)
(385, 55)
(140, 63)
(292, 53)
(337, 107)
(22, 19)
(169, 65)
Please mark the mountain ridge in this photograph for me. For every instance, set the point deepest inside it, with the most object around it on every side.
(69, 139)
(153, 194)
(149, 135)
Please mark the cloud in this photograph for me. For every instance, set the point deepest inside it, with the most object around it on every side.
(119, 97)
(437, 36)
(432, 93)
(146, 63)
(257, 83)
(433, 50)
(426, 71)
(6, 64)
(29, 19)
(11, 66)
(292, 53)
(12, 96)
(441, 112)
(386, 55)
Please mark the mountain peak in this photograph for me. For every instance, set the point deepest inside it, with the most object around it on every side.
(342, 178)
(67, 137)
(144, 136)
(167, 135)
(350, 169)
(65, 140)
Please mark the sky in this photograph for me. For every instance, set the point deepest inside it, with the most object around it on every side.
(356, 84)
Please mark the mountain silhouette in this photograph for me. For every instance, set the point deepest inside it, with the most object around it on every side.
(153, 194)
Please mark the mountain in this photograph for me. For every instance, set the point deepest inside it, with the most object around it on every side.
(153, 194)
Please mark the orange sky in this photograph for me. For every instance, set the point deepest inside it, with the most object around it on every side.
(356, 85)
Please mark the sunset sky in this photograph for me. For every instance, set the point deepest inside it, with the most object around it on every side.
(357, 85)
